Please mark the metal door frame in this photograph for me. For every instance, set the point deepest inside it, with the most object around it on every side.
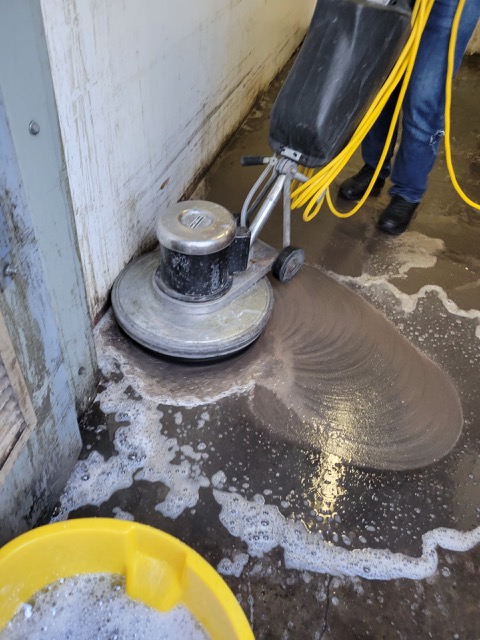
(42, 291)
(31, 114)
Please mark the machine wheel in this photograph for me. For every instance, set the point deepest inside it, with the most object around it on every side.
(288, 263)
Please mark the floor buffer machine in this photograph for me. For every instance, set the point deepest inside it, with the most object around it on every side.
(204, 293)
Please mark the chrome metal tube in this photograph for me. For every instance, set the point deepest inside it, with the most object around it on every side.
(287, 202)
(266, 208)
(253, 191)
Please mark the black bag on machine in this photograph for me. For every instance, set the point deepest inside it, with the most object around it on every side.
(350, 48)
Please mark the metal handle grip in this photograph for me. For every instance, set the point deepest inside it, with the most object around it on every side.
(253, 161)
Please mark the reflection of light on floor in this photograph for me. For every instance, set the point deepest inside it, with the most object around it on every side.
(343, 424)
(327, 487)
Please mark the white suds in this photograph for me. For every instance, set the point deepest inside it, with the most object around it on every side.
(171, 392)
(409, 251)
(143, 452)
(233, 567)
(96, 606)
(263, 528)
(122, 515)
(409, 302)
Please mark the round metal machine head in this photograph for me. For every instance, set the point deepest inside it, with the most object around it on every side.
(187, 330)
(195, 227)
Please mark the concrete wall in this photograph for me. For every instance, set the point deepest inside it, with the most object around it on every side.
(147, 92)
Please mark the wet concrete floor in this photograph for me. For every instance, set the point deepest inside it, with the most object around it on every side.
(316, 540)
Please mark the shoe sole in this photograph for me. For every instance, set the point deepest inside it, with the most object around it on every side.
(374, 193)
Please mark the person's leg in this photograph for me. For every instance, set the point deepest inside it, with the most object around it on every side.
(354, 187)
(424, 104)
(374, 141)
(423, 112)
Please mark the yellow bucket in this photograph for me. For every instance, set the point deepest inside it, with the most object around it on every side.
(159, 570)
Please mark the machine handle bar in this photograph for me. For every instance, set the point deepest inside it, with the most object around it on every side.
(251, 161)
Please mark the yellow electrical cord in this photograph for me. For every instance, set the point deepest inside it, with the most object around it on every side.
(448, 106)
(317, 189)
(313, 191)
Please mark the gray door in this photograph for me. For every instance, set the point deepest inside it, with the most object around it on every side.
(31, 115)
(39, 437)
(47, 356)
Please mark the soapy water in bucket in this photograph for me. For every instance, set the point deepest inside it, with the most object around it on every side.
(96, 606)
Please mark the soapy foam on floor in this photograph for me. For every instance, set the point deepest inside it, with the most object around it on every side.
(409, 302)
(96, 606)
(263, 528)
(172, 385)
(412, 250)
(120, 514)
(233, 567)
(143, 453)
(259, 525)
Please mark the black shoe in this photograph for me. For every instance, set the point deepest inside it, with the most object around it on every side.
(397, 216)
(354, 188)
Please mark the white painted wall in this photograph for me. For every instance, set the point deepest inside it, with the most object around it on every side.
(147, 92)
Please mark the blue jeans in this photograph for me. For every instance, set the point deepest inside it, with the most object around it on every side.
(424, 104)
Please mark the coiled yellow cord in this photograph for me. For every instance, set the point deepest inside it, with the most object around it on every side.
(312, 193)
